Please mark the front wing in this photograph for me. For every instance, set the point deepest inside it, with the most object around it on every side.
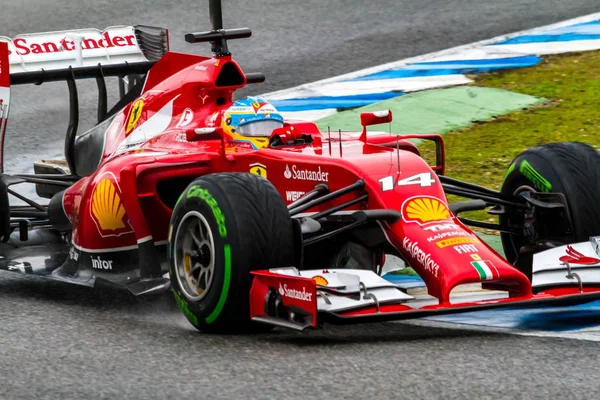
(306, 299)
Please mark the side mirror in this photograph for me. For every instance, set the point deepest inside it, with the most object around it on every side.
(373, 118)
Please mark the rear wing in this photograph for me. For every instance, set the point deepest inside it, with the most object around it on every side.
(126, 52)
(85, 47)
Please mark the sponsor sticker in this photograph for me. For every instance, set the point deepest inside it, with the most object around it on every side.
(107, 210)
(295, 294)
(535, 177)
(257, 105)
(258, 169)
(73, 254)
(476, 257)
(213, 119)
(420, 256)
(99, 263)
(442, 227)
(449, 234)
(319, 280)
(134, 117)
(575, 257)
(186, 118)
(486, 270)
(292, 195)
(204, 194)
(305, 174)
(57, 43)
(243, 144)
(424, 210)
(454, 241)
(465, 248)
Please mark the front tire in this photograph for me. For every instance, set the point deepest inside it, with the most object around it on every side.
(223, 227)
(570, 168)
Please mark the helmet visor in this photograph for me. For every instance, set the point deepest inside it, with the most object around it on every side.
(261, 128)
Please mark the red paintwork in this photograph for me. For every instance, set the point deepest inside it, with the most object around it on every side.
(189, 83)
(4, 70)
(573, 289)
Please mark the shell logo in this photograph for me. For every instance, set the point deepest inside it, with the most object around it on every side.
(319, 280)
(424, 209)
(106, 207)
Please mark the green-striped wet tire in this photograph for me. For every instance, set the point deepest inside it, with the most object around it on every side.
(224, 226)
(570, 168)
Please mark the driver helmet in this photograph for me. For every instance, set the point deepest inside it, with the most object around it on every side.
(249, 122)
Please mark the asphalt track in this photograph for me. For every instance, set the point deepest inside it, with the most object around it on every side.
(57, 341)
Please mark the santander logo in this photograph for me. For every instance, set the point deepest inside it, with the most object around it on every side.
(24, 46)
(295, 294)
(305, 174)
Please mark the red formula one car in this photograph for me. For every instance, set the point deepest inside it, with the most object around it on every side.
(254, 221)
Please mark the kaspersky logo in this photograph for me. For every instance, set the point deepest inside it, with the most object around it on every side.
(420, 256)
(295, 294)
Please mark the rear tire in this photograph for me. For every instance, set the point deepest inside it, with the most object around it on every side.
(240, 223)
(570, 168)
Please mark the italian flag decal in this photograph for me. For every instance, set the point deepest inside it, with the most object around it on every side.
(486, 270)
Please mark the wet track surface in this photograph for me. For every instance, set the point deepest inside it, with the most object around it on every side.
(59, 341)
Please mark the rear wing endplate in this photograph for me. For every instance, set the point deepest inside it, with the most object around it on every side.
(4, 97)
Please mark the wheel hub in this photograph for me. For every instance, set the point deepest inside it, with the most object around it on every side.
(194, 255)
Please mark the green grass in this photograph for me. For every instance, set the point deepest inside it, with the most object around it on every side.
(482, 153)
(408, 271)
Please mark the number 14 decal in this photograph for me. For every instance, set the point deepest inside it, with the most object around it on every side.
(424, 179)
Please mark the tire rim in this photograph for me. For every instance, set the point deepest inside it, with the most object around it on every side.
(194, 256)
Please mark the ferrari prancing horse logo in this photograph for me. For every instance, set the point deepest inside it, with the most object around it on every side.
(134, 117)
(258, 169)
(257, 105)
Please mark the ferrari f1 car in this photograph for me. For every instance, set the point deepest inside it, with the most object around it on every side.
(254, 221)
